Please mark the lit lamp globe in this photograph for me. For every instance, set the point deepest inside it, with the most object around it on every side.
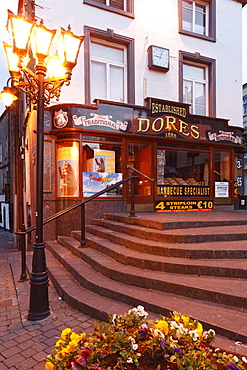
(7, 96)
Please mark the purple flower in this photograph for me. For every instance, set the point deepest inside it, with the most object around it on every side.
(162, 343)
(178, 350)
(143, 331)
(232, 367)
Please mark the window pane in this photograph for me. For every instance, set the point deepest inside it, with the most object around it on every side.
(187, 16)
(200, 106)
(192, 72)
(117, 83)
(187, 4)
(200, 19)
(119, 4)
(98, 80)
(139, 158)
(188, 92)
(107, 53)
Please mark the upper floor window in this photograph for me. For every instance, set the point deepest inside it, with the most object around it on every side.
(197, 83)
(195, 87)
(198, 18)
(108, 72)
(109, 66)
(124, 7)
(195, 17)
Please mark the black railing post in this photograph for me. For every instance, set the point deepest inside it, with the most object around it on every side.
(22, 238)
(132, 198)
(83, 233)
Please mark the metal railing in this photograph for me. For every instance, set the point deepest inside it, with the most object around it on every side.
(23, 232)
(140, 173)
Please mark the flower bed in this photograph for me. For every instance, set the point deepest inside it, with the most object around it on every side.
(130, 342)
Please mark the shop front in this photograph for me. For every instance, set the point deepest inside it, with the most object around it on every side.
(184, 162)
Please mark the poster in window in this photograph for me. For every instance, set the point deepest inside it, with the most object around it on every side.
(221, 189)
(96, 181)
(68, 172)
(104, 160)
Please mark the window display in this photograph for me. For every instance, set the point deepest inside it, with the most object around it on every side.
(68, 167)
(101, 168)
(182, 173)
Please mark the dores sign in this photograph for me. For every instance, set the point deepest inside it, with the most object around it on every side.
(169, 120)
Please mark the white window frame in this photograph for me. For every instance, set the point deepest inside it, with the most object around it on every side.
(194, 3)
(108, 63)
(203, 82)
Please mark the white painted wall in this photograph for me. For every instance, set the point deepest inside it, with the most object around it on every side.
(156, 22)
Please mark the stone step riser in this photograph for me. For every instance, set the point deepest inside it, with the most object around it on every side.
(158, 285)
(168, 238)
(171, 251)
(166, 266)
(171, 225)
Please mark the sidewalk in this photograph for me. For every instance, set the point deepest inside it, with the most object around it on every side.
(25, 344)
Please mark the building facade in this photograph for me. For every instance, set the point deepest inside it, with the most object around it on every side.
(157, 89)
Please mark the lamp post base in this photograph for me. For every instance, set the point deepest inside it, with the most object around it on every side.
(39, 302)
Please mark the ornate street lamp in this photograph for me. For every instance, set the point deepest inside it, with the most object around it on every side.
(26, 36)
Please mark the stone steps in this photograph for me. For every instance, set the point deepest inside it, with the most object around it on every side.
(195, 265)
(207, 250)
(189, 235)
(227, 291)
(109, 292)
(209, 267)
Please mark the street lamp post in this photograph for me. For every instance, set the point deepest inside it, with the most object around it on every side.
(39, 90)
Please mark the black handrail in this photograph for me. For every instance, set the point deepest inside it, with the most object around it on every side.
(81, 204)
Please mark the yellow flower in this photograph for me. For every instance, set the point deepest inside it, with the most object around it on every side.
(65, 332)
(75, 336)
(72, 345)
(185, 319)
(199, 329)
(162, 325)
(65, 351)
(49, 366)
(58, 343)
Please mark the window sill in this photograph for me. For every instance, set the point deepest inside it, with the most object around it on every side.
(109, 8)
(197, 35)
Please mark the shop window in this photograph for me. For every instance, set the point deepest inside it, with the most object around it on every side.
(102, 167)
(197, 83)
(182, 173)
(124, 7)
(68, 169)
(198, 18)
(222, 174)
(109, 66)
